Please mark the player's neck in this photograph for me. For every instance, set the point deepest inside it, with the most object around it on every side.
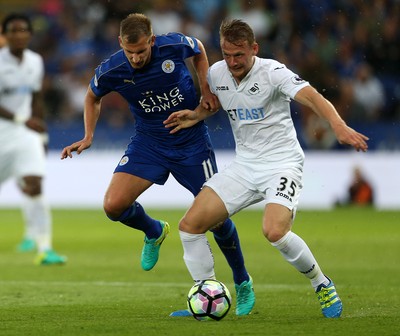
(18, 53)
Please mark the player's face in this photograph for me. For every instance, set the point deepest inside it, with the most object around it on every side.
(239, 57)
(18, 35)
(139, 53)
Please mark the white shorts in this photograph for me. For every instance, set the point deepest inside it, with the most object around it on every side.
(23, 155)
(241, 185)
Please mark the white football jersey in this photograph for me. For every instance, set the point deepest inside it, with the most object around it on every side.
(259, 112)
(18, 81)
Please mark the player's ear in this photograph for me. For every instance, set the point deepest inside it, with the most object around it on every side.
(255, 48)
(120, 41)
(153, 39)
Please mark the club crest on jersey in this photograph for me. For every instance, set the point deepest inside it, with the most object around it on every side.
(254, 89)
(123, 161)
(297, 80)
(168, 66)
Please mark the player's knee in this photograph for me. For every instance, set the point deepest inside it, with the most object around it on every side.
(112, 213)
(273, 234)
(112, 209)
(33, 192)
(31, 186)
(191, 226)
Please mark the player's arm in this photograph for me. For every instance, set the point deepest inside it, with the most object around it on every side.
(310, 97)
(5, 114)
(187, 118)
(201, 65)
(33, 122)
(91, 113)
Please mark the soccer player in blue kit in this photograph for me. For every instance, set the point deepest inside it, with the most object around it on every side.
(150, 73)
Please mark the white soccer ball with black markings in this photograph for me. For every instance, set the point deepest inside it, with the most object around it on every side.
(209, 300)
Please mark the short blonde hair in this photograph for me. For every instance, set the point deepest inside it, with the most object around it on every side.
(134, 26)
(236, 32)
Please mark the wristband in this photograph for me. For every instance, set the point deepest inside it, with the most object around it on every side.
(44, 137)
(20, 119)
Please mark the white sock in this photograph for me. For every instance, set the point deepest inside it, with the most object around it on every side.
(298, 254)
(38, 221)
(197, 255)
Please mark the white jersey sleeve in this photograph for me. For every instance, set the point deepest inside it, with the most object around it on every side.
(286, 80)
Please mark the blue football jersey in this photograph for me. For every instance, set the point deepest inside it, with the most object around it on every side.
(161, 87)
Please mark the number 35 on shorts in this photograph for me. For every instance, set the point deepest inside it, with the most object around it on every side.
(288, 189)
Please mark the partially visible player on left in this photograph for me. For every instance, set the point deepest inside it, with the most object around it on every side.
(23, 134)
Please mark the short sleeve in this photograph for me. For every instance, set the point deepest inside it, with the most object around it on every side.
(288, 82)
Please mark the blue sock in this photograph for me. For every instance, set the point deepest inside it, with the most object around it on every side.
(135, 217)
(227, 239)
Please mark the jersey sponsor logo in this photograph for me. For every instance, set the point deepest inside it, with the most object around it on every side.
(190, 41)
(246, 114)
(168, 66)
(161, 102)
(297, 80)
(147, 93)
(254, 89)
(123, 161)
(222, 88)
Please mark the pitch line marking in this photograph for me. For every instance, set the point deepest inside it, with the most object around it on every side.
(135, 284)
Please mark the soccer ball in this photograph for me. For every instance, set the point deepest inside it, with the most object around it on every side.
(209, 300)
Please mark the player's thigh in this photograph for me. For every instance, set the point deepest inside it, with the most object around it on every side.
(207, 211)
(29, 157)
(234, 188)
(144, 163)
(25, 160)
(283, 190)
(7, 159)
(123, 190)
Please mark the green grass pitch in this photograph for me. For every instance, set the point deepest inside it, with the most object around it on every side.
(103, 291)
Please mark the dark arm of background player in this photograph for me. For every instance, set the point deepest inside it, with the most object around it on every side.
(37, 120)
(32, 122)
(5, 114)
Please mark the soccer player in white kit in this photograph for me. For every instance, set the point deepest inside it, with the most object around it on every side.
(23, 134)
(268, 166)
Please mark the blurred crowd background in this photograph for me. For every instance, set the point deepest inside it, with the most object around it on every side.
(348, 49)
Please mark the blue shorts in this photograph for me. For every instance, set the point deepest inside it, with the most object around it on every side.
(190, 165)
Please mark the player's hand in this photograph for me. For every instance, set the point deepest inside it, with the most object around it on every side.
(209, 101)
(36, 124)
(180, 119)
(77, 147)
(348, 136)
